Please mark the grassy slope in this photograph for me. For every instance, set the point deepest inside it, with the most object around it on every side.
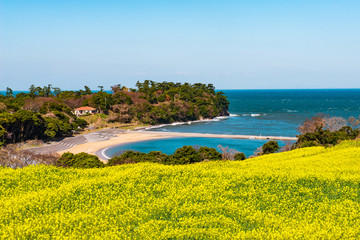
(311, 192)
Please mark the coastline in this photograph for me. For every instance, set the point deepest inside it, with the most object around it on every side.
(139, 134)
(97, 147)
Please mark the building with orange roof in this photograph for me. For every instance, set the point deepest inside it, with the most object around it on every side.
(84, 110)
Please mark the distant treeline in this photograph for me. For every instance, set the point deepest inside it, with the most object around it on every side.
(47, 112)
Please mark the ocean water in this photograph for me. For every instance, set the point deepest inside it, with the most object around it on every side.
(169, 146)
(275, 112)
(257, 112)
(14, 92)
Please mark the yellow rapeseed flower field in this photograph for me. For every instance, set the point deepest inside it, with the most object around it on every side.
(311, 193)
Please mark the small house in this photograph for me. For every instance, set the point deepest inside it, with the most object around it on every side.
(84, 110)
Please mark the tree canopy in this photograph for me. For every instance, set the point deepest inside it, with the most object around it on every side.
(47, 112)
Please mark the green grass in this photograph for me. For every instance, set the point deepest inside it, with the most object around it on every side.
(302, 194)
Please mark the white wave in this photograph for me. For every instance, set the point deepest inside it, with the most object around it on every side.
(233, 115)
(103, 153)
(215, 119)
(209, 119)
(156, 126)
(182, 123)
(178, 123)
(292, 111)
(253, 114)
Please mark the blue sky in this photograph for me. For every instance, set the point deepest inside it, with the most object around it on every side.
(233, 44)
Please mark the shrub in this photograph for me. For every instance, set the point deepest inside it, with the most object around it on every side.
(81, 123)
(125, 158)
(2, 135)
(136, 157)
(270, 147)
(209, 153)
(185, 155)
(156, 157)
(239, 156)
(80, 160)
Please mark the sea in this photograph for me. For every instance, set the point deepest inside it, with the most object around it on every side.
(255, 112)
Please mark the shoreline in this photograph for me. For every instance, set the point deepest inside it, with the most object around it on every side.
(98, 148)
(109, 137)
(140, 134)
(161, 135)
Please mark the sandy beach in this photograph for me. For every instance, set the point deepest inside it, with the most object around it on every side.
(127, 137)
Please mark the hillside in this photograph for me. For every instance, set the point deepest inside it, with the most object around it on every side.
(311, 192)
(49, 113)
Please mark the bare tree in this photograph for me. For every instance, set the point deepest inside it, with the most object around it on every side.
(32, 105)
(286, 147)
(311, 125)
(257, 152)
(2, 107)
(353, 122)
(11, 156)
(75, 102)
(116, 88)
(335, 123)
(227, 153)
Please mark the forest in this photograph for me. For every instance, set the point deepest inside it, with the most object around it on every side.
(47, 112)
